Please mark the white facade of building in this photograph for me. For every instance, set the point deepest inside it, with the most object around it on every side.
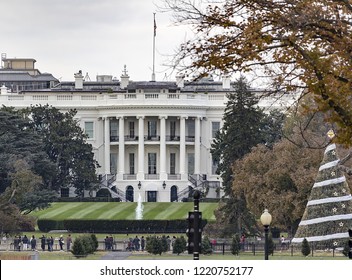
(151, 139)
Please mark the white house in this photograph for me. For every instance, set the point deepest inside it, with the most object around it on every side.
(152, 139)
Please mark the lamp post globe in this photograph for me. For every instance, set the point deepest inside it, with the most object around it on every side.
(265, 219)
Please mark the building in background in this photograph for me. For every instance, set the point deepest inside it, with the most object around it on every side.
(152, 139)
(19, 74)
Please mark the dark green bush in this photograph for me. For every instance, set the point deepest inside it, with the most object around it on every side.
(46, 225)
(206, 246)
(235, 245)
(305, 248)
(84, 245)
(180, 245)
(154, 245)
(118, 226)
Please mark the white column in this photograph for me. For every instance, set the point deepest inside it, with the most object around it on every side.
(183, 147)
(162, 171)
(121, 148)
(140, 174)
(197, 146)
(107, 145)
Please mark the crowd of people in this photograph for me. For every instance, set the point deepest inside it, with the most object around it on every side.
(47, 243)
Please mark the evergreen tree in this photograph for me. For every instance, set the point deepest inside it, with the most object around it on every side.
(245, 126)
(328, 214)
(65, 144)
(305, 247)
(242, 130)
(235, 245)
(154, 245)
(180, 245)
(206, 246)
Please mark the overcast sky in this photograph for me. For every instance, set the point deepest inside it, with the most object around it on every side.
(95, 36)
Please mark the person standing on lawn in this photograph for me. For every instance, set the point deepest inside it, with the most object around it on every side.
(61, 242)
(68, 242)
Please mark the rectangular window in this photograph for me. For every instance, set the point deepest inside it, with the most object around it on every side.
(190, 163)
(151, 196)
(215, 127)
(89, 129)
(173, 163)
(191, 128)
(151, 163)
(151, 129)
(113, 163)
(114, 131)
(172, 129)
(214, 166)
(131, 129)
(131, 163)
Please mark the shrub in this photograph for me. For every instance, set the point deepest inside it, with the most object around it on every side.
(154, 245)
(180, 245)
(78, 248)
(164, 244)
(235, 245)
(84, 245)
(206, 246)
(94, 241)
(305, 248)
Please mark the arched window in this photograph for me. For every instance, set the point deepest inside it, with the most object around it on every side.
(129, 194)
(173, 194)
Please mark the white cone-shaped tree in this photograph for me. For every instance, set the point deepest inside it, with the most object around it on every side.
(328, 214)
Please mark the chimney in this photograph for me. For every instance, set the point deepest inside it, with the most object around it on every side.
(125, 79)
(180, 80)
(226, 81)
(79, 80)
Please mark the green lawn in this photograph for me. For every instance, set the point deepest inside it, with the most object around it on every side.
(123, 210)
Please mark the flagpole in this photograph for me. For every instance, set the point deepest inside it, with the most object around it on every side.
(154, 35)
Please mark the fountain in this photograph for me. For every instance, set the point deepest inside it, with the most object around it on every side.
(139, 209)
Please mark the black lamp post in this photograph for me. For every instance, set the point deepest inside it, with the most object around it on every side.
(265, 219)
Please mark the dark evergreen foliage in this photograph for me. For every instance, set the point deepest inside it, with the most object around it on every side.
(245, 126)
(180, 245)
(235, 245)
(154, 245)
(206, 246)
(305, 247)
(66, 146)
(84, 245)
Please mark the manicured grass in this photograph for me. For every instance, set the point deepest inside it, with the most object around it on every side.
(123, 210)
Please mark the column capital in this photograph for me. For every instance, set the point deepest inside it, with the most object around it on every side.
(140, 117)
(120, 117)
(182, 117)
(163, 117)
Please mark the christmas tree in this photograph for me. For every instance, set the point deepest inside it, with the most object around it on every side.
(328, 214)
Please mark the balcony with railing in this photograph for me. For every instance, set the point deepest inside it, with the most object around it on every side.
(151, 137)
(172, 138)
(131, 138)
(190, 139)
(174, 176)
(114, 138)
(129, 176)
(148, 176)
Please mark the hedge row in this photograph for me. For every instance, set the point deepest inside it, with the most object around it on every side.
(115, 226)
(87, 199)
